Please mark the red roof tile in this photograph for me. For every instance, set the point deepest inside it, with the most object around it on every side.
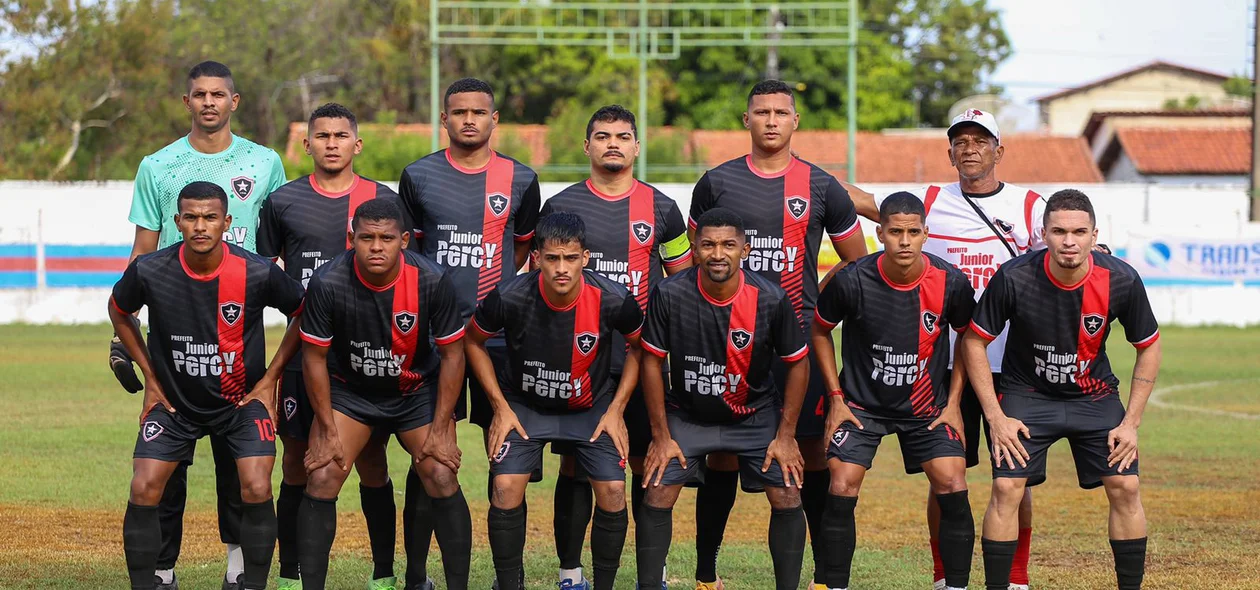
(1188, 151)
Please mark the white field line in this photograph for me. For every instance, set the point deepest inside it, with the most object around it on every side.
(1157, 398)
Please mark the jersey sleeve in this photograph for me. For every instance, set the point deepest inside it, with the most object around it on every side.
(277, 177)
(995, 306)
(1140, 326)
(961, 299)
(146, 203)
(283, 293)
(445, 322)
(1034, 218)
(675, 247)
(629, 316)
(833, 302)
(787, 336)
(841, 216)
(701, 199)
(488, 318)
(128, 295)
(656, 326)
(317, 314)
(270, 241)
(409, 198)
(527, 215)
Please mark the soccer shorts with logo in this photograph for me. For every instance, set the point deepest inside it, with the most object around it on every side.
(393, 413)
(294, 414)
(1085, 423)
(638, 425)
(599, 460)
(919, 445)
(813, 418)
(747, 439)
(172, 437)
(478, 409)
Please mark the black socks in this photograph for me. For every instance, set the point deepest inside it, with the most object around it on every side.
(572, 510)
(608, 539)
(417, 529)
(714, 501)
(317, 527)
(452, 524)
(814, 502)
(840, 538)
(507, 542)
(258, 542)
(1130, 558)
(957, 538)
(998, 557)
(653, 532)
(142, 539)
(287, 505)
(787, 546)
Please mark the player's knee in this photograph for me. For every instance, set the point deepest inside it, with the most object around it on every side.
(1008, 491)
(255, 489)
(785, 498)
(950, 483)
(437, 477)
(843, 486)
(1123, 493)
(325, 482)
(662, 497)
(610, 496)
(146, 490)
(506, 494)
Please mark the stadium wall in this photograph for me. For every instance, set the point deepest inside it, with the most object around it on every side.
(62, 245)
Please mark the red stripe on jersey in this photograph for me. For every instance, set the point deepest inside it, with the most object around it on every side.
(1030, 201)
(931, 304)
(585, 329)
(360, 193)
(1095, 306)
(641, 241)
(499, 175)
(403, 330)
(795, 186)
(742, 328)
(231, 319)
(929, 198)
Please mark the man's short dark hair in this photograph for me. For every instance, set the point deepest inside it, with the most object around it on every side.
(212, 69)
(378, 210)
(467, 85)
(560, 228)
(1068, 199)
(904, 203)
(611, 114)
(720, 217)
(202, 191)
(333, 110)
(771, 87)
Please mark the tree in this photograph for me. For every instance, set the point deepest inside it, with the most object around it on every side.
(1239, 85)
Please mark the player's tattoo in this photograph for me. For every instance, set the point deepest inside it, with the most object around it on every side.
(1143, 380)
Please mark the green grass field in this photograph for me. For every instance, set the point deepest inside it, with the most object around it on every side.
(67, 431)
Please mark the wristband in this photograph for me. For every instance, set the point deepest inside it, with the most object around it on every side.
(835, 393)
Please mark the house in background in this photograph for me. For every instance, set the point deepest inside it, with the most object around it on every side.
(1211, 146)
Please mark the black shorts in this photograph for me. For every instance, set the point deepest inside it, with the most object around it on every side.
(1085, 424)
(973, 419)
(918, 444)
(390, 414)
(638, 425)
(598, 460)
(813, 418)
(294, 411)
(478, 409)
(747, 439)
(172, 437)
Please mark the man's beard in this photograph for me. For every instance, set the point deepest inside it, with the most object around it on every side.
(613, 166)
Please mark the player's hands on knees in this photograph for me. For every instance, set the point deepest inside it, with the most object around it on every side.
(659, 454)
(264, 392)
(504, 422)
(442, 446)
(951, 416)
(614, 425)
(785, 450)
(838, 413)
(1005, 432)
(323, 447)
(120, 363)
(154, 397)
(1123, 443)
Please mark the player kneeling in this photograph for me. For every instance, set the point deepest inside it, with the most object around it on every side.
(204, 373)
(896, 306)
(723, 326)
(558, 322)
(379, 310)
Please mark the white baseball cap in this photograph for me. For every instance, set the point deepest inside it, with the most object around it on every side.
(976, 117)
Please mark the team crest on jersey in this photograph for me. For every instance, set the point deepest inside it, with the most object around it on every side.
(642, 231)
(290, 407)
(929, 321)
(1004, 226)
(839, 437)
(151, 431)
(585, 342)
(1093, 323)
(741, 338)
(503, 451)
(242, 187)
(797, 206)
(497, 202)
(230, 312)
(405, 321)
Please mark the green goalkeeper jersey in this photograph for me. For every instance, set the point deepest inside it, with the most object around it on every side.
(246, 170)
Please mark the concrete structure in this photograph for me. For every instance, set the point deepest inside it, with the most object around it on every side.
(1210, 146)
(1148, 87)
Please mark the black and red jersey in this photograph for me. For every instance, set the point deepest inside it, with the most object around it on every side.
(382, 339)
(470, 220)
(895, 339)
(206, 332)
(633, 237)
(559, 358)
(1057, 344)
(720, 351)
(306, 226)
(784, 217)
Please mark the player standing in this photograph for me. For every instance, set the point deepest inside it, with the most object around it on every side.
(204, 373)
(723, 326)
(978, 224)
(306, 223)
(896, 307)
(637, 237)
(558, 322)
(1057, 381)
(382, 353)
(248, 172)
(785, 203)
